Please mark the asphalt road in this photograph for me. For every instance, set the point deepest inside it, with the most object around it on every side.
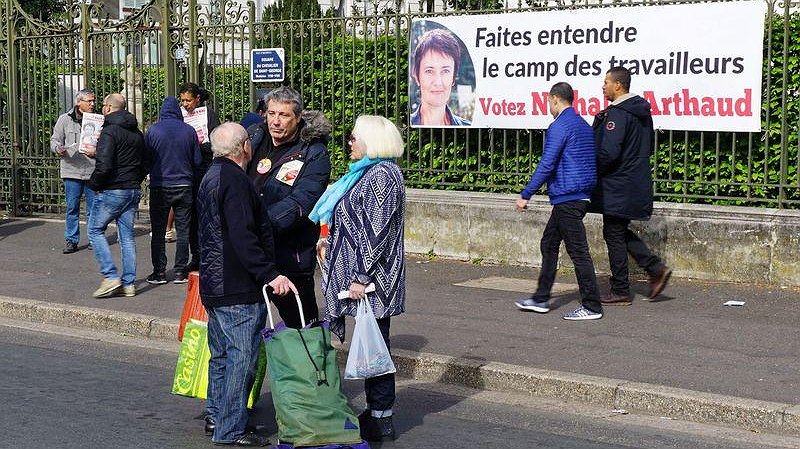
(70, 388)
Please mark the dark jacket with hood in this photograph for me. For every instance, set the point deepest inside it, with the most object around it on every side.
(624, 141)
(119, 158)
(236, 244)
(289, 195)
(173, 151)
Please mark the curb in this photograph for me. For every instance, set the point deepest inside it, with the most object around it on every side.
(674, 403)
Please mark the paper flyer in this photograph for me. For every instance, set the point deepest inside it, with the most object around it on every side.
(197, 119)
(91, 125)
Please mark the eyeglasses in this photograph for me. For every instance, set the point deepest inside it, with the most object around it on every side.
(88, 101)
(352, 139)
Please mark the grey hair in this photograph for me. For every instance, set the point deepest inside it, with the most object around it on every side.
(116, 102)
(286, 94)
(227, 140)
(83, 93)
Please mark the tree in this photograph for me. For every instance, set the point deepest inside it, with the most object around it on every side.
(43, 9)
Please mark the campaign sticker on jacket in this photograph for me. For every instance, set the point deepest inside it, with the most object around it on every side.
(289, 171)
(263, 166)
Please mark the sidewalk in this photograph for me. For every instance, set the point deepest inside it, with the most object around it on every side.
(685, 339)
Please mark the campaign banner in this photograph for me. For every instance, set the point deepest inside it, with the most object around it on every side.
(91, 126)
(699, 65)
(197, 119)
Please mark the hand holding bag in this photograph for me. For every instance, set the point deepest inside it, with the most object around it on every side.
(369, 356)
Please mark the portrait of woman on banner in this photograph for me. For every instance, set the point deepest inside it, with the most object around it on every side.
(438, 59)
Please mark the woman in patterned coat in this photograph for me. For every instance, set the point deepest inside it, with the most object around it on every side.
(364, 211)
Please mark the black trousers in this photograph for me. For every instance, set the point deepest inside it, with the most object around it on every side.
(287, 306)
(194, 238)
(566, 224)
(380, 390)
(161, 200)
(621, 241)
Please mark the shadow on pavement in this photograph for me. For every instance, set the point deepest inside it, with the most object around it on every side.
(10, 227)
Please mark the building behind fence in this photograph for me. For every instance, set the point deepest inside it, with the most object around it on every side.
(347, 57)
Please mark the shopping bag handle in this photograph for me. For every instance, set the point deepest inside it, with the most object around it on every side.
(269, 308)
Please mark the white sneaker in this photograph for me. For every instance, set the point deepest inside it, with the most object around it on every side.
(533, 305)
(582, 313)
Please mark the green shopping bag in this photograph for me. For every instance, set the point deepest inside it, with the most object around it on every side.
(191, 372)
(306, 386)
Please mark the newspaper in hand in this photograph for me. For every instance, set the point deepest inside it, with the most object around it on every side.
(198, 119)
(91, 125)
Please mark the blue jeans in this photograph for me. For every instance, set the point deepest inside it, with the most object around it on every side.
(234, 338)
(74, 189)
(120, 206)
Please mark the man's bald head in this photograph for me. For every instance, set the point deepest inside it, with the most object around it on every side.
(113, 103)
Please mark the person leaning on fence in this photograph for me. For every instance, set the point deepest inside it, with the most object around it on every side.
(568, 168)
(237, 259)
(192, 97)
(117, 180)
(75, 169)
(624, 142)
(364, 211)
(290, 170)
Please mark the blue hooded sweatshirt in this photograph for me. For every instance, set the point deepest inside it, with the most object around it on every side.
(172, 148)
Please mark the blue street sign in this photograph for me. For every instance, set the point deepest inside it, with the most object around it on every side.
(266, 65)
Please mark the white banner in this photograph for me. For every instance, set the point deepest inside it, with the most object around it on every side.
(699, 65)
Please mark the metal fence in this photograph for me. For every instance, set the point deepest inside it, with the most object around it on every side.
(346, 66)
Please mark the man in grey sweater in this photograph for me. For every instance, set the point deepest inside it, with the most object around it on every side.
(76, 167)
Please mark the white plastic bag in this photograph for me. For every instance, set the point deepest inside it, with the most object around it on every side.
(369, 356)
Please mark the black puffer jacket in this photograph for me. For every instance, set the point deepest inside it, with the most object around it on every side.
(624, 141)
(236, 245)
(119, 158)
(288, 195)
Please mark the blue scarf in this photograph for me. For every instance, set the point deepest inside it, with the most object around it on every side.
(324, 208)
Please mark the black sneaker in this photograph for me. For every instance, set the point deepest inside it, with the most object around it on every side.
(70, 247)
(375, 429)
(247, 440)
(157, 278)
(180, 278)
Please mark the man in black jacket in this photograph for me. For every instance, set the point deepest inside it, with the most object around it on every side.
(116, 181)
(236, 260)
(290, 170)
(624, 140)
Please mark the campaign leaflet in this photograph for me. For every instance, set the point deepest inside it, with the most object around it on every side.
(91, 125)
(197, 119)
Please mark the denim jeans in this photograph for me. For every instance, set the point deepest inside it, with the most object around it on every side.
(161, 200)
(380, 390)
(620, 242)
(566, 223)
(120, 206)
(234, 338)
(74, 189)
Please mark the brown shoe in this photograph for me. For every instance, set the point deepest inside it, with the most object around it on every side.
(613, 299)
(659, 280)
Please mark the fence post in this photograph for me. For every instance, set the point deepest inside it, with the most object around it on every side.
(85, 41)
(194, 48)
(251, 17)
(13, 105)
(166, 57)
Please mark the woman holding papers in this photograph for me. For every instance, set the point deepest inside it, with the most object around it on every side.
(364, 211)
(203, 119)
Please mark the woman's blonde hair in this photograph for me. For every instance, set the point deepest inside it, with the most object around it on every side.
(380, 136)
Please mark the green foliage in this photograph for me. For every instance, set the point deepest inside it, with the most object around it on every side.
(43, 9)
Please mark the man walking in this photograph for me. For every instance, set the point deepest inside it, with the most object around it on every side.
(290, 170)
(624, 140)
(236, 260)
(116, 180)
(568, 168)
(76, 167)
(173, 153)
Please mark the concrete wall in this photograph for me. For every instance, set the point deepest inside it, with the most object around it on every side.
(705, 242)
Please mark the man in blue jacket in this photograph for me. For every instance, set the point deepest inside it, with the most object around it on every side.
(290, 170)
(236, 261)
(174, 158)
(568, 168)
